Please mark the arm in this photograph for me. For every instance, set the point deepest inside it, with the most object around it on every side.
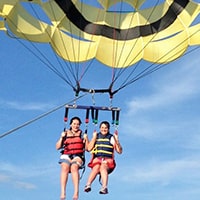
(92, 142)
(59, 143)
(117, 144)
(86, 141)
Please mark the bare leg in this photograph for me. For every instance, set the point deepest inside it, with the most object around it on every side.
(63, 179)
(93, 174)
(75, 179)
(104, 174)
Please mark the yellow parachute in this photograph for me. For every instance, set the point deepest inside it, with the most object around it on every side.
(79, 32)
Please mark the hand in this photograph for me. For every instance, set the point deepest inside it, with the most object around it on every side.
(63, 134)
(116, 137)
(94, 134)
(85, 136)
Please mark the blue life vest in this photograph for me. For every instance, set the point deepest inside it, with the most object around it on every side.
(103, 147)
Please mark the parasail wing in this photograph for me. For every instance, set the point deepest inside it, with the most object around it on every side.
(79, 32)
(88, 32)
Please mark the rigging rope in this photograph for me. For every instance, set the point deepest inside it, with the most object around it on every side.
(39, 117)
(150, 68)
(119, 72)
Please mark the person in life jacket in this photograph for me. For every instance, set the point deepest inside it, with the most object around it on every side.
(102, 146)
(72, 155)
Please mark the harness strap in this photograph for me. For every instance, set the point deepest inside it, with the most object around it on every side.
(95, 114)
(66, 114)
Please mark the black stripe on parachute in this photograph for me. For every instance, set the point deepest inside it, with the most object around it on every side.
(79, 21)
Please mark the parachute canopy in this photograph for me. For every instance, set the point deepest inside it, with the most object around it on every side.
(79, 32)
(116, 33)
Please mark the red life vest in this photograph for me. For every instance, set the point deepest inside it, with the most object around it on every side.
(73, 145)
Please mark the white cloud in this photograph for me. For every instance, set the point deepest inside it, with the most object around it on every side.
(24, 171)
(193, 142)
(20, 176)
(11, 175)
(169, 89)
(14, 181)
(24, 185)
(162, 113)
(4, 178)
(163, 172)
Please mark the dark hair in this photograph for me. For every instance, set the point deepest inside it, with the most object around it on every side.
(106, 123)
(75, 118)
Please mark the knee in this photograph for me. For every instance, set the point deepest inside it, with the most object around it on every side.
(74, 168)
(103, 167)
(65, 168)
(96, 169)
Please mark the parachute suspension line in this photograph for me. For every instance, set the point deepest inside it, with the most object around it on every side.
(159, 65)
(40, 56)
(150, 69)
(137, 65)
(122, 70)
(52, 68)
(75, 57)
(38, 117)
(68, 64)
(119, 71)
(117, 62)
(85, 69)
(71, 68)
(79, 46)
(162, 65)
(114, 47)
(76, 72)
(115, 50)
(147, 70)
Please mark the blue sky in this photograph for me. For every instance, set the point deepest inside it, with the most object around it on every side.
(159, 131)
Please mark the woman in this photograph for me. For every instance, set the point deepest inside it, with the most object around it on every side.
(72, 158)
(102, 145)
